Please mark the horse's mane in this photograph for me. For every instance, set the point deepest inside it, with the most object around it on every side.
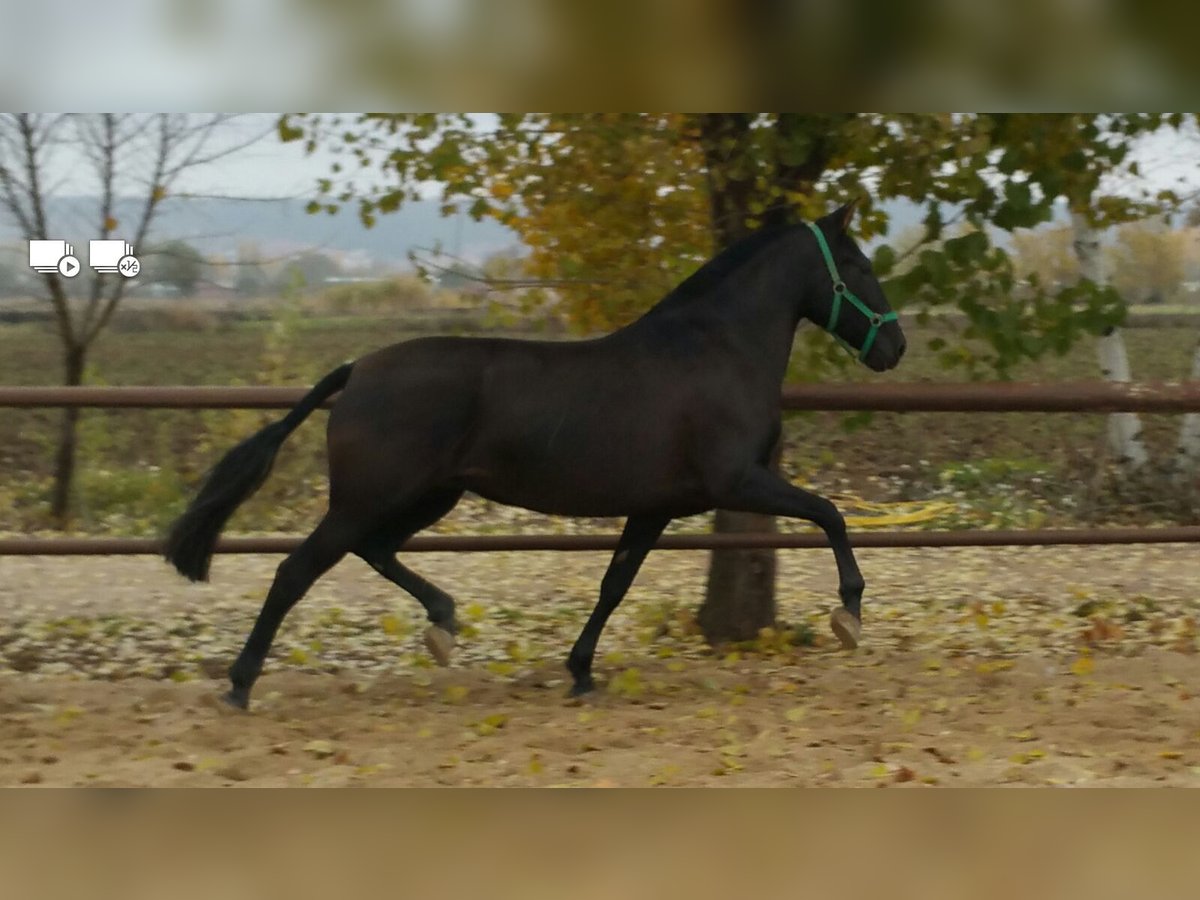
(721, 267)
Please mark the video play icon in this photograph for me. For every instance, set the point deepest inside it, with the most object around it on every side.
(68, 267)
(48, 256)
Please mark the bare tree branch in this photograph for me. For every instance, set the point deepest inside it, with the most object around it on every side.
(100, 142)
(35, 133)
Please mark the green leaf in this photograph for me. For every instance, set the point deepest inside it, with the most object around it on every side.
(287, 131)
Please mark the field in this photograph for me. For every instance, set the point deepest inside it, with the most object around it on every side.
(1063, 666)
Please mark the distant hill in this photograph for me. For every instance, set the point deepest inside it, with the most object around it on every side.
(218, 226)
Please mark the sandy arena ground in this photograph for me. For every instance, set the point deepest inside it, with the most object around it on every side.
(978, 667)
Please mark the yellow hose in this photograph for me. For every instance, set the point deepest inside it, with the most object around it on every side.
(887, 515)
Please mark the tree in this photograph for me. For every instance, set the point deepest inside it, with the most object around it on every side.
(135, 160)
(309, 271)
(1047, 256)
(178, 264)
(1147, 262)
(617, 208)
(250, 280)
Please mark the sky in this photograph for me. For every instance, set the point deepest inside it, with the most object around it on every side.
(272, 169)
(267, 168)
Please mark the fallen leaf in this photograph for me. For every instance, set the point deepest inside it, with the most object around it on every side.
(319, 748)
(941, 757)
(1083, 666)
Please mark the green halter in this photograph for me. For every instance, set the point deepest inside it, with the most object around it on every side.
(839, 291)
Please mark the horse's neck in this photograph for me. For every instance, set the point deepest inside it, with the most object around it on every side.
(755, 311)
(763, 311)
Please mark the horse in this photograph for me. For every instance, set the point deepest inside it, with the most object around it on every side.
(672, 415)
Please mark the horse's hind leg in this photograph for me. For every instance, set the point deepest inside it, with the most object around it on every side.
(319, 552)
(439, 606)
(379, 551)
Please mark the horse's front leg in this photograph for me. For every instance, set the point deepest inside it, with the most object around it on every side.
(638, 538)
(760, 490)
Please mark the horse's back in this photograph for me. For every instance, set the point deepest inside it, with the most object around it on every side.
(601, 427)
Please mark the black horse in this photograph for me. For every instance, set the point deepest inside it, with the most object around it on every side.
(673, 415)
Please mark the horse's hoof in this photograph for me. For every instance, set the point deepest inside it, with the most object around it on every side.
(238, 699)
(440, 643)
(845, 627)
(581, 690)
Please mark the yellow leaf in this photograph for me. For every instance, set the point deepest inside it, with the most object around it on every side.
(932, 665)
(297, 656)
(911, 718)
(666, 774)
(1023, 736)
(1082, 666)
(515, 651)
(1024, 759)
(535, 765)
(68, 715)
(390, 624)
(475, 611)
(319, 749)
(880, 771)
(110, 224)
(1170, 754)
(974, 754)
(456, 693)
(627, 683)
(796, 714)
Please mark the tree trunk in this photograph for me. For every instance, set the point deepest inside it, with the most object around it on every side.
(740, 597)
(64, 459)
(1124, 429)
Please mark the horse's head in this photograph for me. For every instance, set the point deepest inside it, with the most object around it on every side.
(848, 301)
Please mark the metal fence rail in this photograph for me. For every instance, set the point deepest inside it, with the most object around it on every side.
(1182, 534)
(1061, 396)
(1094, 397)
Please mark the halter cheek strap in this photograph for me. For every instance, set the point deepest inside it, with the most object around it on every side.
(840, 290)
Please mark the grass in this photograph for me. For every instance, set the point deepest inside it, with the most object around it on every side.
(136, 465)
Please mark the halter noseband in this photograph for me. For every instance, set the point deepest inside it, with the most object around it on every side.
(839, 291)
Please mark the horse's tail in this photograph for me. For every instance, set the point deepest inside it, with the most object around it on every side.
(190, 542)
